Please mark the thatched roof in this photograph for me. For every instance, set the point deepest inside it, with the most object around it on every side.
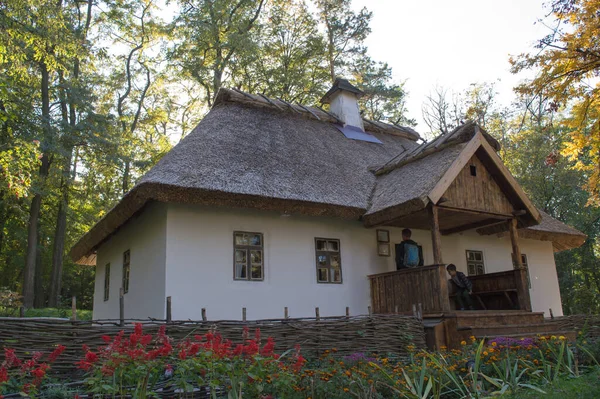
(251, 151)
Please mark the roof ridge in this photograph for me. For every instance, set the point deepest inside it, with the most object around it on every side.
(226, 95)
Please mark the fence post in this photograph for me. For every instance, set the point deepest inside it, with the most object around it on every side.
(317, 314)
(203, 314)
(285, 313)
(420, 311)
(347, 311)
(243, 314)
(169, 314)
(551, 314)
(396, 309)
(369, 308)
(22, 311)
(121, 307)
(74, 308)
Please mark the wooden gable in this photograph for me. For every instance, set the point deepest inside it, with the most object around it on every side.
(475, 188)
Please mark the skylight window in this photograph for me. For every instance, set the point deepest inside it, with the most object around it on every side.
(355, 133)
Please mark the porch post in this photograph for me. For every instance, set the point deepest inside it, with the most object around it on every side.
(436, 238)
(520, 271)
(436, 243)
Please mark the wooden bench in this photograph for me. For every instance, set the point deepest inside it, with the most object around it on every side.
(500, 284)
(479, 294)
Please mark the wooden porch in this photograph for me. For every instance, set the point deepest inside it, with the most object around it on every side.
(428, 290)
(503, 307)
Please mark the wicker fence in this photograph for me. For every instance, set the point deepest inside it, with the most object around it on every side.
(588, 325)
(376, 333)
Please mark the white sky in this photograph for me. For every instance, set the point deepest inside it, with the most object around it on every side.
(452, 43)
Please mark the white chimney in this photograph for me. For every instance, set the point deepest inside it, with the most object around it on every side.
(343, 103)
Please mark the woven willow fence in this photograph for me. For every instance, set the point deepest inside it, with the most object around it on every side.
(588, 325)
(377, 333)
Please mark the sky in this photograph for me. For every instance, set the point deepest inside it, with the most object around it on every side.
(452, 43)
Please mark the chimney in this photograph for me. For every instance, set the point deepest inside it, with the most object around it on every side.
(343, 103)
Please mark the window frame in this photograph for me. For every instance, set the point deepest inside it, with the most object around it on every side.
(126, 270)
(248, 248)
(475, 262)
(328, 254)
(107, 282)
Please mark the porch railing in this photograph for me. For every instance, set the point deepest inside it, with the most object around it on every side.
(429, 286)
(399, 290)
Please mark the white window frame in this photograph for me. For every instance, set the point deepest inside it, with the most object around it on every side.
(475, 262)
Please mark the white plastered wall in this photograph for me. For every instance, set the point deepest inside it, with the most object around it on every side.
(144, 236)
(200, 264)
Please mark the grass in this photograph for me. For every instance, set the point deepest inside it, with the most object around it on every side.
(585, 387)
(47, 312)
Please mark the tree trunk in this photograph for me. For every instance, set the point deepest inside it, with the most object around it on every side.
(60, 233)
(39, 300)
(36, 203)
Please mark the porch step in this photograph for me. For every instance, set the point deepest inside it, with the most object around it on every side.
(483, 319)
(570, 335)
(494, 331)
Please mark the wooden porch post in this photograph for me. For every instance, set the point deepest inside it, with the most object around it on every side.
(436, 242)
(520, 271)
(436, 238)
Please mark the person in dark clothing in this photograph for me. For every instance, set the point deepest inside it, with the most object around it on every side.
(464, 287)
(408, 253)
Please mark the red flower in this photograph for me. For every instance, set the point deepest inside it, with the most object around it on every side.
(146, 339)
(39, 374)
(56, 353)
(107, 371)
(91, 357)
(106, 338)
(269, 347)
(299, 363)
(169, 368)
(10, 358)
(138, 330)
(3, 374)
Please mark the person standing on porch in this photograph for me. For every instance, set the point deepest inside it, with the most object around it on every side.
(408, 252)
(464, 287)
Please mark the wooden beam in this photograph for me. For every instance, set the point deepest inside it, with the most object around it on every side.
(520, 271)
(436, 238)
(500, 216)
(469, 226)
(514, 240)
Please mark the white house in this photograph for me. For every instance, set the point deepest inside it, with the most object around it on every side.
(267, 205)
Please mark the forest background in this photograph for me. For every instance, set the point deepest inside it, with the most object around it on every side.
(94, 92)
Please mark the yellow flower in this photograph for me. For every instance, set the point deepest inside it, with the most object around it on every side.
(463, 343)
(562, 338)
(494, 343)
(553, 337)
(485, 353)
(346, 389)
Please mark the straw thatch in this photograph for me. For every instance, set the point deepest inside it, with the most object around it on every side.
(252, 151)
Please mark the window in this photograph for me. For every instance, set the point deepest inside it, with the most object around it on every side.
(126, 269)
(473, 169)
(106, 281)
(248, 250)
(329, 262)
(475, 265)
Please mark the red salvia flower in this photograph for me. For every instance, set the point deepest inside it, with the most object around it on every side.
(56, 353)
(91, 357)
(3, 374)
(106, 339)
(11, 358)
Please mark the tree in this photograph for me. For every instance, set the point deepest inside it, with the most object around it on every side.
(567, 62)
(383, 100)
(289, 59)
(345, 32)
(213, 38)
